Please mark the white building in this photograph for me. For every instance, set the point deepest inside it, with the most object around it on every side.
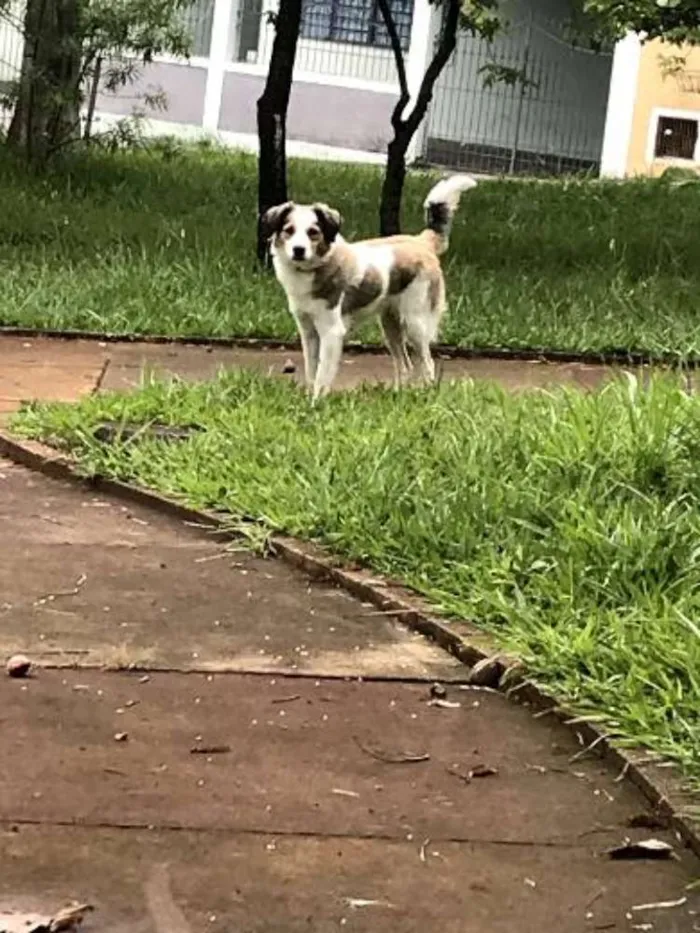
(345, 85)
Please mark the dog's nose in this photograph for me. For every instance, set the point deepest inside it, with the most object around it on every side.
(298, 252)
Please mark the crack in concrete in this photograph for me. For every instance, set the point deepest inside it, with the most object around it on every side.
(562, 845)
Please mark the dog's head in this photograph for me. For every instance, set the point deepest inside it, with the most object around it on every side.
(301, 234)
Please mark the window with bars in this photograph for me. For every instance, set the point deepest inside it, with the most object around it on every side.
(355, 21)
(676, 138)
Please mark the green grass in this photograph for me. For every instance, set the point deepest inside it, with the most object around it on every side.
(161, 242)
(566, 524)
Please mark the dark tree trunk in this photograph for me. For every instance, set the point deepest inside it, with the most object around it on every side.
(406, 126)
(392, 186)
(46, 114)
(272, 115)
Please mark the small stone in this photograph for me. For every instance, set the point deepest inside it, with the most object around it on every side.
(19, 666)
(121, 736)
(487, 672)
(438, 691)
(289, 367)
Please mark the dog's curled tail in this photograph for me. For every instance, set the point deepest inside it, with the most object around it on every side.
(440, 207)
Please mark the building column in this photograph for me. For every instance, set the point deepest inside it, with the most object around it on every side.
(218, 53)
(622, 97)
(419, 53)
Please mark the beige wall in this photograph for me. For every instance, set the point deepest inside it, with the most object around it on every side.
(679, 94)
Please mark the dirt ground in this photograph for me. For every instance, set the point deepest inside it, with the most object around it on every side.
(211, 742)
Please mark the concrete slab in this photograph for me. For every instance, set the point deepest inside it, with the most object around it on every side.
(128, 363)
(165, 882)
(52, 369)
(87, 580)
(305, 756)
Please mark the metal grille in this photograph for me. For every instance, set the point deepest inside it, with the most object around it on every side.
(528, 103)
(355, 21)
(676, 138)
(339, 38)
(198, 20)
(11, 47)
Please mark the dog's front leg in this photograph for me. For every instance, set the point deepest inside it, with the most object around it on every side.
(310, 345)
(331, 329)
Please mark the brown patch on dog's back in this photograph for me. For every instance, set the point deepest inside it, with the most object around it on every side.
(367, 290)
(331, 284)
(401, 276)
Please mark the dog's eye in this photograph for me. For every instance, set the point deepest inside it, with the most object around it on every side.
(288, 231)
(313, 233)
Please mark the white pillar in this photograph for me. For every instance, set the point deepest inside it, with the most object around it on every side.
(621, 100)
(218, 52)
(419, 54)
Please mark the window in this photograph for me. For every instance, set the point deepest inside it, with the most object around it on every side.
(356, 21)
(676, 138)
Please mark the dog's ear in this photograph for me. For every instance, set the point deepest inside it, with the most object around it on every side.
(329, 221)
(274, 219)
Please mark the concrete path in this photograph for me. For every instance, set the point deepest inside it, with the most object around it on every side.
(62, 370)
(212, 742)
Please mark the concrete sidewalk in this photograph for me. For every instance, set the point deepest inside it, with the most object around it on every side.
(278, 795)
(54, 369)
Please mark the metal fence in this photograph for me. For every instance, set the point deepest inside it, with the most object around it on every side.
(530, 102)
(198, 19)
(11, 47)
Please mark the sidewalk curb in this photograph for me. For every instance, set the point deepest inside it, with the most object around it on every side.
(657, 780)
(612, 357)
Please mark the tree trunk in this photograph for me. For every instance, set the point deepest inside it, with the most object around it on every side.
(46, 114)
(405, 126)
(272, 115)
(392, 186)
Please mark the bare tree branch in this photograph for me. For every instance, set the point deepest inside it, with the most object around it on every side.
(445, 48)
(405, 96)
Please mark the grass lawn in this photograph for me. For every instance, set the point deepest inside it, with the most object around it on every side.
(161, 242)
(567, 524)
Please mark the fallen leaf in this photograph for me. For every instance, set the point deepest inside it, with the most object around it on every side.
(482, 771)
(69, 918)
(24, 923)
(646, 849)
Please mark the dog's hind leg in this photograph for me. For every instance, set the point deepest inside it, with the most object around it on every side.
(396, 344)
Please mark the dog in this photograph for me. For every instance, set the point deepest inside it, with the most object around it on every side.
(331, 284)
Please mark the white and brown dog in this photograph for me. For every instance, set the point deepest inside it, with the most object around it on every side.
(332, 284)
